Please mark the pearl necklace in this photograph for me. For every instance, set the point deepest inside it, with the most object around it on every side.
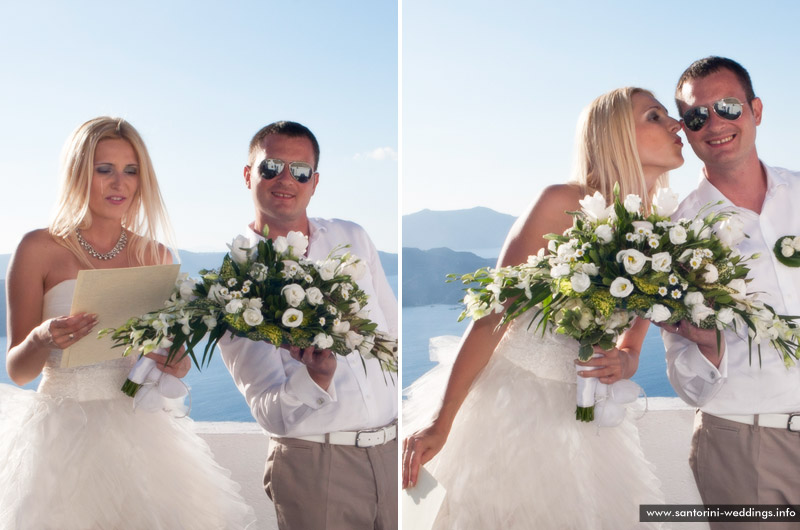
(123, 240)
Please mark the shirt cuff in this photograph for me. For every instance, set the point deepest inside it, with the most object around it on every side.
(300, 386)
(692, 363)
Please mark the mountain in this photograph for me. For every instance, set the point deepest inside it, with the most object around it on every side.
(425, 272)
(475, 228)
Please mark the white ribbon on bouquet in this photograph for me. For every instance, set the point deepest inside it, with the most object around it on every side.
(159, 391)
(608, 400)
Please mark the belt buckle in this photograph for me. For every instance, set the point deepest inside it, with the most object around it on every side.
(789, 422)
(370, 431)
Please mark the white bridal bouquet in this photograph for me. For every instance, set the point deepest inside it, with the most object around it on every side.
(267, 292)
(615, 264)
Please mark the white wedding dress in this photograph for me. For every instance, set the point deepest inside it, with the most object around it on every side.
(76, 456)
(516, 458)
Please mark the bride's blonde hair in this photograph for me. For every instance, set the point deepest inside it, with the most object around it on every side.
(147, 216)
(605, 150)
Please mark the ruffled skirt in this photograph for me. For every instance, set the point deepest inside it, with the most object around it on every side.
(516, 458)
(70, 465)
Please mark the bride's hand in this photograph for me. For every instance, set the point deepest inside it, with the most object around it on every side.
(178, 368)
(612, 365)
(62, 332)
(418, 449)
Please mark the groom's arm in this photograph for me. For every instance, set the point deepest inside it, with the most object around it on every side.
(280, 398)
(696, 379)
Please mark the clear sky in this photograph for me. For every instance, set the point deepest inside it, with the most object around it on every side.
(198, 79)
(492, 91)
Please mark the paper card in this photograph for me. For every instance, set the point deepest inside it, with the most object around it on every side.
(421, 504)
(115, 295)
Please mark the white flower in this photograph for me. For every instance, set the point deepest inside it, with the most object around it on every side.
(616, 320)
(252, 316)
(298, 242)
(322, 341)
(739, 287)
(580, 282)
(673, 280)
(255, 303)
(186, 289)
(258, 271)
(604, 233)
(653, 242)
(562, 269)
(231, 282)
(280, 244)
(594, 206)
(700, 312)
(663, 291)
(731, 231)
(352, 340)
(786, 248)
(724, 316)
(693, 298)
(665, 202)
(643, 228)
(621, 287)
(632, 203)
(292, 318)
(591, 269)
(294, 294)
(314, 296)
(633, 260)
(218, 293)
(658, 313)
(241, 251)
(210, 321)
(676, 293)
(340, 326)
(327, 269)
(355, 268)
(290, 268)
(234, 306)
(661, 262)
(677, 235)
(712, 274)
(322, 321)
(796, 243)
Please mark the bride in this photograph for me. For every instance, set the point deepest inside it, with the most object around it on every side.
(515, 456)
(75, 454)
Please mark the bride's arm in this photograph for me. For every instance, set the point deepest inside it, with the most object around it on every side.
(29, 339)
(547, 215)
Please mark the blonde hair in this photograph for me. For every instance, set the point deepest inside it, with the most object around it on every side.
(605, 151)
(146, 218)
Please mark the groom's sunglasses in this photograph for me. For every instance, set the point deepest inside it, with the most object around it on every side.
(696, 117)
(269, 168)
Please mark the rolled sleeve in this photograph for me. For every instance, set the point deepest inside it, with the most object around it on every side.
(694, 378)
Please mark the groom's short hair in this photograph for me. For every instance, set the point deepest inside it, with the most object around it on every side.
(709, 65)
(286, 128)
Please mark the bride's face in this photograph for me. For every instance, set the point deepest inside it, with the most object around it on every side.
(115, 178)
(657, 140)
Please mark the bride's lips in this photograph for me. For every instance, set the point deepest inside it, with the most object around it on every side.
(116, 199)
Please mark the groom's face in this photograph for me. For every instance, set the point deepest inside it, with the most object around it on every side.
(282, 198)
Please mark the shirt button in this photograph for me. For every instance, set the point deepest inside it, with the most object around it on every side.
(712, 375)
(320, 401)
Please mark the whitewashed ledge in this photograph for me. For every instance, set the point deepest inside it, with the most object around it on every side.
(665, 433)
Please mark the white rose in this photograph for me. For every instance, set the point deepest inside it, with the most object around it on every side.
(594, 206)
(298, 242)
(241, 251)
(700, 312)
(340, 327)
(712, 274)
(693, 298)
(661, 262)
(796, 243)
(632, 203)
(621, 287)
(280, 244)
(591, 269)
(677, 235)
(580, 282)
(658, 313)
(234, 306)
(327, 269)
(633, 260)
(604, 233)
(292, 318)
(252, 316)
(562, 269)
(786, 250)
(255, 303)
(352, 340)
(294, 294)
(314, 296)
(322, 341)
(731, 231)
(665, 202)
(739, 287)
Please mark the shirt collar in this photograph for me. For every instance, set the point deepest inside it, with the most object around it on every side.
(707, 192)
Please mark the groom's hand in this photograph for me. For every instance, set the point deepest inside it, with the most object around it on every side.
(706, 339)
(321, 364)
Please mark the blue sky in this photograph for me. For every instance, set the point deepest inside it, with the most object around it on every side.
(492, 92)
(198, 79)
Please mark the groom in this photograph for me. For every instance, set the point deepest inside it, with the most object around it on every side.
(746, 444)
(333, 463)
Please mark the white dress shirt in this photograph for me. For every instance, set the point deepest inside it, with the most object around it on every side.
(740, 386)
(282, 396)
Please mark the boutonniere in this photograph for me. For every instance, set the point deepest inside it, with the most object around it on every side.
(787, 250)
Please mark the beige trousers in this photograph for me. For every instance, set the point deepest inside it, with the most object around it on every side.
(317, 486)
(735, 463)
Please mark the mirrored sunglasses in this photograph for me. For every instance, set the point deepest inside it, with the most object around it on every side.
(269, 168)
(696, 117)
